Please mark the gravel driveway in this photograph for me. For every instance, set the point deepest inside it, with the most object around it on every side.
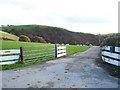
(76, 71)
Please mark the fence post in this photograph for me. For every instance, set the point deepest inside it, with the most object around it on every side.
(112, 49)
(55, 50)
(21, 55)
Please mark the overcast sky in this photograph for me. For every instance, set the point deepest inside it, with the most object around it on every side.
(89, 16)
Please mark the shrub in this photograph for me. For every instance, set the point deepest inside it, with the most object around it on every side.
(24, 38)
(111, 41)
(38, 39)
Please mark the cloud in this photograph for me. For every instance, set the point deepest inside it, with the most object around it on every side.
(87, 20)
(75, 15)
(23, 4)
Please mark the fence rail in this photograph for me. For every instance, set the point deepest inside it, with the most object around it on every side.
(11, 58)
(111, 54)
(9, 51)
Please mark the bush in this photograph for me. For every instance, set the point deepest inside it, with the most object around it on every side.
(24, 38)
(111, 41)
(38, 39)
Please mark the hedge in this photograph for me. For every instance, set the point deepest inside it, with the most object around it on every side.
(111, 41)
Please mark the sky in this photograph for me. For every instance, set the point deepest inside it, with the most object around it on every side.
(88, 16)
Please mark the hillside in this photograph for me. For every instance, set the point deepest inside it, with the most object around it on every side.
(5, 35)
(110, 35)
(52, 34)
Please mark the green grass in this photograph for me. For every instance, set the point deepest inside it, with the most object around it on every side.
(40, 49)
(26, 45)
(72, 49)
(6, 35)
(111, 69)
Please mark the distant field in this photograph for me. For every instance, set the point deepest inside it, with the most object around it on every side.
(20, 27)
(6, 35)
(37, 52)
(71, 49)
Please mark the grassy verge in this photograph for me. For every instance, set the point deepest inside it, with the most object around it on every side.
(111, 69)
(31, 50)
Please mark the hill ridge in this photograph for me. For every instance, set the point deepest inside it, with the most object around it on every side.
(52, 34)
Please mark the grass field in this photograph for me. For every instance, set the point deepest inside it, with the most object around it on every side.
(36, 53)
(20, 27)
(8, 36)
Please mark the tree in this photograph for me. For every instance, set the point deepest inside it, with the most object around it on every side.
(38, 39)
(24, 38)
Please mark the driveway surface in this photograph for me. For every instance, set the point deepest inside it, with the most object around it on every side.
(76, 71)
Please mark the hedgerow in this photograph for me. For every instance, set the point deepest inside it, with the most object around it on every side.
(111, 41)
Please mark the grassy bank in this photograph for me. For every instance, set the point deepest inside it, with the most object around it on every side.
(36, 53)
(8, 36)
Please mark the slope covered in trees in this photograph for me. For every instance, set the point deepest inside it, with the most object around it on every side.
(52, 34)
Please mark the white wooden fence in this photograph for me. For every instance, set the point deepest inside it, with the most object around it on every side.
(60, 51)
(15, 55)
(9, 57)
(111, 54)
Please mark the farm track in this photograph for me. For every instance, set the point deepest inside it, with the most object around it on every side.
(80, 70)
